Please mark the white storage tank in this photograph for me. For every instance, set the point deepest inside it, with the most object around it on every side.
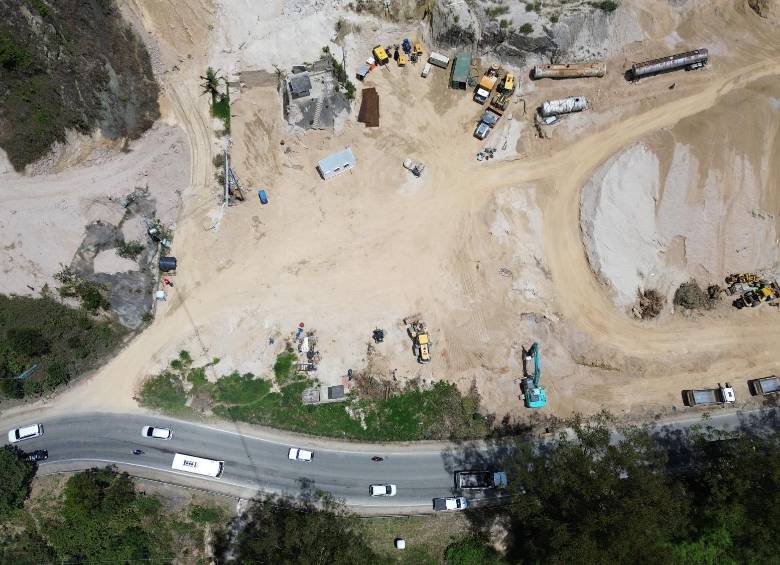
(564, 106)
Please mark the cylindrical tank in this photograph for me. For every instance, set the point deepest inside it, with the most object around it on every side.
(564, 106)
(670, 63)
(167, 264)
(571, 70)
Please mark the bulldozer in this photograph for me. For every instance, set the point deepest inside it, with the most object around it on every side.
(744, 278)
(421, 342)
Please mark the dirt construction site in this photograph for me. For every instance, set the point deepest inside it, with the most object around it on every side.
(660, 181)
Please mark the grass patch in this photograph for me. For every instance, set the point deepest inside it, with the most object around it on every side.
(283, 367)
(221, 109)
(90, 294)
(61, 341)
(427, 537)
(414, 413)
(494, 11)
(130, 249)
(526, 28)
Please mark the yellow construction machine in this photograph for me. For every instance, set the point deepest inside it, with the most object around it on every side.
(743, 278)
(380, 55)
(421, 342)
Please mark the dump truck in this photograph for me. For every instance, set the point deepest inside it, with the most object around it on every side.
(450, 504)
(421, 343)
(486, 85)
(480, 479)
(766, 385)
(705, 396)
(486, 123)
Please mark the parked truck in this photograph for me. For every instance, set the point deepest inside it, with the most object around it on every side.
(450, 504)
(480, 479)
(705, 396)
(486, 85)
(766, 385)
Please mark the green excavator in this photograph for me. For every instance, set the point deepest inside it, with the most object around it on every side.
(533, 392)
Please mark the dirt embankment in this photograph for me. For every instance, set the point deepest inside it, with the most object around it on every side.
(697, 200)
(70, 65)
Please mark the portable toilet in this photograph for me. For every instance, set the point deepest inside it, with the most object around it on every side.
(263, 196)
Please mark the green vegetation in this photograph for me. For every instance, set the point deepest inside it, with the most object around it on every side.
(691, 296)
(503, 24)
(494, 11)
(220, 101)
(48, 343)
(606, 5)
(90, 294)
(130, 249)
(437, 412)
(99, 517)
(281, 530)
(473, 550)
(427, 536)
(341, 74)
(533, 7)
(15, 477)
(586, 501)
(526, 28)
(71, 65)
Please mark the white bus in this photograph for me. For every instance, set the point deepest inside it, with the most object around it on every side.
(198, 465)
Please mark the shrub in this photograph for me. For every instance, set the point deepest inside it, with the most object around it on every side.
(526, 28)
(692, 297)
(28, 342)
(606, 5)
(130, 249)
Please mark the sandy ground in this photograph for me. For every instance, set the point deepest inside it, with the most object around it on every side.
(490, 253)
(43, 217)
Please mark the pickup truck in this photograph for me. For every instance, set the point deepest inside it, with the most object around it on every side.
(767, 385)
(480, 479)
(450, 504)
(705, 396)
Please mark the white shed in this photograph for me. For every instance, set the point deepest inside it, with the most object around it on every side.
(336, 164)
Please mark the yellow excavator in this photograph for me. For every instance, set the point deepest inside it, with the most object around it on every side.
(421, 342)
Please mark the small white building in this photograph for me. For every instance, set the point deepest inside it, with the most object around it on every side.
(337, 163)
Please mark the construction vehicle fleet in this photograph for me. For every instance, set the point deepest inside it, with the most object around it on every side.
(498, 105)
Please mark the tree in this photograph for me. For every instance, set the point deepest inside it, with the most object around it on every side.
(211, 83)
(281, 530)
(471, 551)
(585, 500)
(16, 474)
(102, 519)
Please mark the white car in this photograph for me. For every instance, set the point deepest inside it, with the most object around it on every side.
(382, 490)
(450, 504)
(27, 432)
(156, 433)
(297, 454)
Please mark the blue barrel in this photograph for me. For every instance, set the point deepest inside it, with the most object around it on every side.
(261, 194)
(167, 264)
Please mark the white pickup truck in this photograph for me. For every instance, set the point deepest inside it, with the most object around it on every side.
(297, 454)
(450, 504)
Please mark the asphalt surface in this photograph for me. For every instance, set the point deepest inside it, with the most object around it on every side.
(420, 474)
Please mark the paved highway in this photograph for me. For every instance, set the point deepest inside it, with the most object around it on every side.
(251, 463)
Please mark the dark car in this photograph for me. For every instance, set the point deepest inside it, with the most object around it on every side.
(38, 455)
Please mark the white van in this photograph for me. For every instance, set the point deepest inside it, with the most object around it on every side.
(26, 432)
(198, 465)
(426, 70)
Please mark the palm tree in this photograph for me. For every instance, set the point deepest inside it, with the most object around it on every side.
(211, 83)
